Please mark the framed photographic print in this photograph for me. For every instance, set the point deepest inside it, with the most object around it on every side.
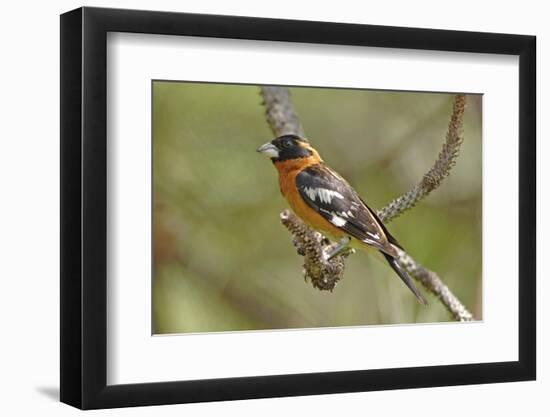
(257, 207)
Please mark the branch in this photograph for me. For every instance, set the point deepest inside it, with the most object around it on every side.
(313, 246)
(431, 281)
(440, 169)
(279, 111)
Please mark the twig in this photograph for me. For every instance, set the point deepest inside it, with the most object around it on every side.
(312, 245)
(279, 111)
(431, 281)
(438, 172)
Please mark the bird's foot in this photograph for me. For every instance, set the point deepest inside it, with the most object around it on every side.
(341, 248)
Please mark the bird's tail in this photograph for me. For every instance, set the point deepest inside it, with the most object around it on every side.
(405, 278)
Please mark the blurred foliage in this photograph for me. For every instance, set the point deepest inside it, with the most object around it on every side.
(223, 261)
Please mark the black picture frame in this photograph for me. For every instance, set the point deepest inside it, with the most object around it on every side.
(84, 207)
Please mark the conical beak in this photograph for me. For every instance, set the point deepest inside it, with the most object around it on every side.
(269, 149)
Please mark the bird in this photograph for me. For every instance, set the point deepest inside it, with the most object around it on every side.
(326, 202)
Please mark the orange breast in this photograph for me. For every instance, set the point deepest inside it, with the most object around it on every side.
(288, 170)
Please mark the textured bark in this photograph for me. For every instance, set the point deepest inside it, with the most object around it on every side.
(440, 169)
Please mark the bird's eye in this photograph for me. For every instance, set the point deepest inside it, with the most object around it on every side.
(287, 143)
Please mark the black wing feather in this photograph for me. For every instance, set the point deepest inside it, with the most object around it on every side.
(330, 195)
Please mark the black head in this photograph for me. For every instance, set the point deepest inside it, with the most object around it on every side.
(286, 147)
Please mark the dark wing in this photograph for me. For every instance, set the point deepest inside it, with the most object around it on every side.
(333, 198)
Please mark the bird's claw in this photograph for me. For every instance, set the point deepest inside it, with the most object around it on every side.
(341, 248)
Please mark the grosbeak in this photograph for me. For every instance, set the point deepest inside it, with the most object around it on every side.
(327, 203)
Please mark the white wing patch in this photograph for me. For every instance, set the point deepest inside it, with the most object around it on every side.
(376, 237)
(325, 195)
(337, 221)
(347, 214)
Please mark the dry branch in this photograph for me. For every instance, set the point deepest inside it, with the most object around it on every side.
(439, 171)
(431, 281)
(312, 245)
(279, 111)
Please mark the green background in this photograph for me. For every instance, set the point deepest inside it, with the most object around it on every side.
(223, 261)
